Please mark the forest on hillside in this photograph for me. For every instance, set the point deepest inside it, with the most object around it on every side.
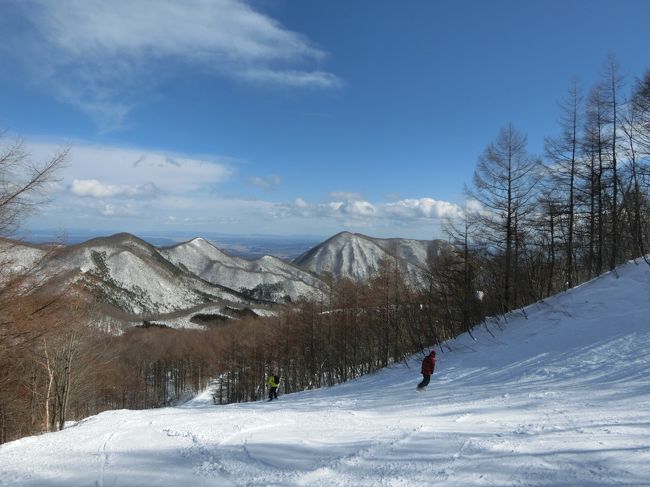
(532, 225)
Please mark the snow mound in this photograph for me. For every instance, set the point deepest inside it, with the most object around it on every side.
(556, 394)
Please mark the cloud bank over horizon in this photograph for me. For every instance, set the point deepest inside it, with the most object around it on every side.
(125, 189)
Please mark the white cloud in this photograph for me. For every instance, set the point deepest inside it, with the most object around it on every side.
(116, 182)
(301, 203)
(104, 171)
(268, 183)
(101, 55)
(298, 79)
(422, 208)
(96, 189)
(345, 195)
(473, 206)
(404, 211)
(119, 211)
(201, 213)
(335, 206)
(359, 208)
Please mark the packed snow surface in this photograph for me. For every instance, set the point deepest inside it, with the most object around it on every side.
(560, 395)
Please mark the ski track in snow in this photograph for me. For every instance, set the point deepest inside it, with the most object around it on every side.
(559, 396)
(104, 459)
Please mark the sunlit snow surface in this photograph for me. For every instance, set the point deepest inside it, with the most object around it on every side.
(560, 397)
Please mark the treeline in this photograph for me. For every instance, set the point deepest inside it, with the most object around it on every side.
(532, 225)
(59, 368)
(536, 225)
(351, 330)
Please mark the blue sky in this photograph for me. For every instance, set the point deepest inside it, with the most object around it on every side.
(290, 117)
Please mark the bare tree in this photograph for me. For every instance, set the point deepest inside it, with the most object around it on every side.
(504, 185)
(633, 194)
(562, 153)
(640, 103)
(612, 81)
(595, 146)
(461, 267)
(23, 182)
(24, 306)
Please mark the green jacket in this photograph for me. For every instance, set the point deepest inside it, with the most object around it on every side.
(271, 381)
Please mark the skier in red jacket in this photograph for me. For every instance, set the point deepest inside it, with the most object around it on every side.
(428, 366)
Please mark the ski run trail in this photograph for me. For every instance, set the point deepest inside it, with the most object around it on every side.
(560, 395)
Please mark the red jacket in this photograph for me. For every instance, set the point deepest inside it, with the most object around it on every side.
(429, 363)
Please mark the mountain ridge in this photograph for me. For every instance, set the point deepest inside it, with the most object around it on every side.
(207, 261)
(138, 281)
(135, 282)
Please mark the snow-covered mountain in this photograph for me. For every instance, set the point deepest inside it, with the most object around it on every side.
(134, 282)
(170, 285)
(18, 257)
(558, 395)
(357, 257)
(267, 275)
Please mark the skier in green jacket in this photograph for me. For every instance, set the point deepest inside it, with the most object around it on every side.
(273, 382)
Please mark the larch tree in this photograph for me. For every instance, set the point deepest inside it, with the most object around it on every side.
(612, 83)
(595, 147)
(504, 184)
(562, 153)
(634, 199)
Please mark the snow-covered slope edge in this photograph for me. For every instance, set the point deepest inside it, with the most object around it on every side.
(560, 396)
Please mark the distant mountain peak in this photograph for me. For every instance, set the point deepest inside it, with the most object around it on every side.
(356, 256)
(345, 235)
(200, 242)
(116, 241)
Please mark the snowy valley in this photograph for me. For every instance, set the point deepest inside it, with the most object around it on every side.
(555, 394)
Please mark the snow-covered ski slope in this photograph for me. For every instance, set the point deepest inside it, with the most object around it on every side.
(561, 396)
